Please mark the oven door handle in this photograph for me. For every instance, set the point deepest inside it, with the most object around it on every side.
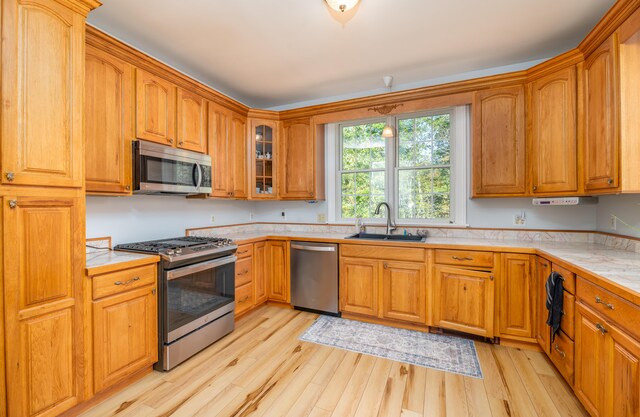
(199, 267)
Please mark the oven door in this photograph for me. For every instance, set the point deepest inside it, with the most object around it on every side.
(161, 169)
(197, 294)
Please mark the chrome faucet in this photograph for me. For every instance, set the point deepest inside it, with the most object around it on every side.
(390, 226)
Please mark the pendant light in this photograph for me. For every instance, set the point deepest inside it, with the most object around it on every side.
(342, 5)
(387, 132)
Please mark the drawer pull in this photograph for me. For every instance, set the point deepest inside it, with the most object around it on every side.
(602, 329)
(604, 303)
(457, 258)
(243, 272)
(386, 265)
(491, 277)
(245, 298)
(242, 252)
(560, 352)
(127, 282)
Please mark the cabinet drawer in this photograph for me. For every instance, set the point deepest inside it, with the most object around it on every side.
(245, 251)
(383, 252)
(569, 283)
(244, 271)
(568, 309)
(561, 354)
(612, 307)
(244, 300)
(120, 281)
(466, 258)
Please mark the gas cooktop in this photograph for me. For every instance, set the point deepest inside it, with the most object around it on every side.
(182, 248)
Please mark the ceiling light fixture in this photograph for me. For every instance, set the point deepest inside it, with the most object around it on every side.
(342, 5)
(387, 132)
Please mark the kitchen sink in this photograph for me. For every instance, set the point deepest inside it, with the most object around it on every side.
(390, 238)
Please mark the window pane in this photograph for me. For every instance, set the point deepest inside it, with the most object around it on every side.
(424, 193)
(424, 141)
(361, 192)
(363, 147)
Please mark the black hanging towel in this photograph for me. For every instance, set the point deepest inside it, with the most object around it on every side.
(554, 290)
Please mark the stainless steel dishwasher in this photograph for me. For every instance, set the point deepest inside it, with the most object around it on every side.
(314, 277)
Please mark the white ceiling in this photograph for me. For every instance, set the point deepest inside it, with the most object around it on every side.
(274, 53)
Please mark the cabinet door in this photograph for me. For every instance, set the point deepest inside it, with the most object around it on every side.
(263, 136)
(516, 294)
(297, 153)
(553, 133)
(359, 282)
(259, 275)
(590, 360)
(499, 142)
(155, 108)
(277, 259)
(42, 94)
(623, 389)
(404, 291)
(191, 132)
(43, 265)
(601, 132)
(219, 120)
(464, 300)
(238, 155)
(108, 93)
(543, 332)
(125, 335)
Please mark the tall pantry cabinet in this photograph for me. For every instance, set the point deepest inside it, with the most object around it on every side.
(43, 208)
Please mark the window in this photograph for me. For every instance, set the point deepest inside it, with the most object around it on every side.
(420, 172)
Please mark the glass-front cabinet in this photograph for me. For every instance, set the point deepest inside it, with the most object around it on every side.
(263, 136)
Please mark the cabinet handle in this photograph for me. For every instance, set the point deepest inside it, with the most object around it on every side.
(491, 277)
(601, 328)
(610, 181)
(461, 259)
(601, 301)
(170, 141)
(13, 204)
(180, 143)
(546, 265)
(245, 298)
(385, 265)
(557, 349)
(243, 272)
(153, 291)
(10, 176)
(128, 188)
(242, 252)
(134, 279)
(535, 187)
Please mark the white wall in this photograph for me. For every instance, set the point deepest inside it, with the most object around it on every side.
(626, 207)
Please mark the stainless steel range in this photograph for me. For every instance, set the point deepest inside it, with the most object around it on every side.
(196, 294)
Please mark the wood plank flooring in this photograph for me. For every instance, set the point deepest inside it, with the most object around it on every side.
(262, 369)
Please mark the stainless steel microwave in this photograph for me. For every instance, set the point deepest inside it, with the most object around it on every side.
(160, 169)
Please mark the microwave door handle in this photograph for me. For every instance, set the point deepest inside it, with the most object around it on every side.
(199, 175)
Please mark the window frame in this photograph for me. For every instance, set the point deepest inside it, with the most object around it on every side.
(459, 140)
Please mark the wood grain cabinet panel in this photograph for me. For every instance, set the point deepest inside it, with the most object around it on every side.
(191, 121)
(259, 271)
(124, 335)
(543, 331)
(238, 155)
(43, 74)
(277, 261)
(404, 291)
(464, 300)
(498, 157)
(601, 130)
(553, 133)
(228, 151)
(590, 360)
(297, 153)
(155, 108)
(43, 270)
(359, 285)
(516, 292)
(108, 110)
(623, 388)
(263, 156)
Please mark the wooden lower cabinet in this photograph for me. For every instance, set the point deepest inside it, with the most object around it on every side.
(543, 331)
(607, 361)
(464, 300)
(404, 291)
(277, 268)
(259, 265)
(516, 292)
(359, 284)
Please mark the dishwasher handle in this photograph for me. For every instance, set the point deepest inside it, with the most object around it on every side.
(314, 248)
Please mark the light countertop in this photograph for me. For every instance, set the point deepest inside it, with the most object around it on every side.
(103, 261)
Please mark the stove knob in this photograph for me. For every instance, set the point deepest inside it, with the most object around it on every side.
(178, 251)
(170, 252)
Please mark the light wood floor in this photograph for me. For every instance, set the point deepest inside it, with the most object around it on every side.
(262, 369)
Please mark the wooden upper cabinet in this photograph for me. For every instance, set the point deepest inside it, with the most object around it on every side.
(42, 94)
(553, 133)
(108, 129)
(191, 121)
(238, 155)
(155, 108)
(298, 156)
(601, 130)
(498, 157)
(43, 266)
(264, 159)
(516, 296)
(228, 151)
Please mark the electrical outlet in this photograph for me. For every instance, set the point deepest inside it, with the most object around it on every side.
(613, 222)
(283, 214)
(213, 218)
(322, 218)
(520, 219)
(252, 216)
